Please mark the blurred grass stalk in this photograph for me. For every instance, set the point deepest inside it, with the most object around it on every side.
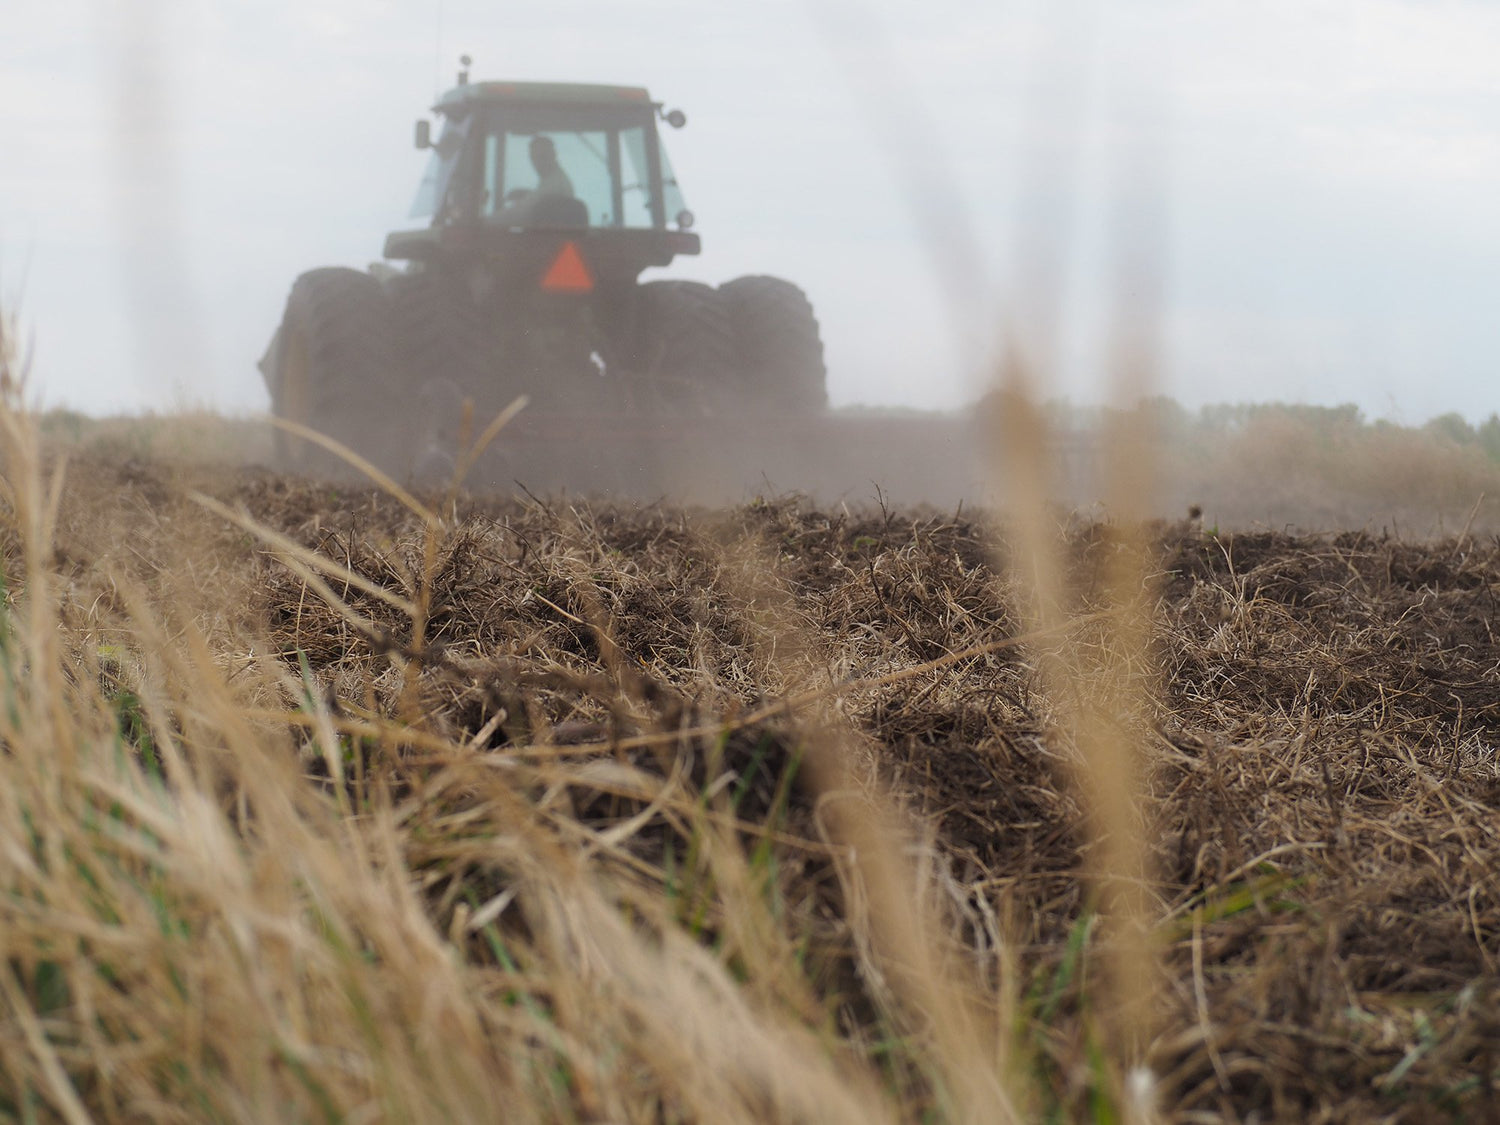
(962, 1020)
(1100, 687)
(1100, 691)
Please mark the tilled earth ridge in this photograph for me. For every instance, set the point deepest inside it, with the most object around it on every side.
(1321, 745)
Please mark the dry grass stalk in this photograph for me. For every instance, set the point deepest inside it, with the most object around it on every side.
(1099, 699)
(896, 920)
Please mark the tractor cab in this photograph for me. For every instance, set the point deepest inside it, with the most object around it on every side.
(519, 163)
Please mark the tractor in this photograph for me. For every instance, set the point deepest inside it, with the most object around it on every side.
(543, 204)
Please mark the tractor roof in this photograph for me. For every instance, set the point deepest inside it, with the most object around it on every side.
(540, 93)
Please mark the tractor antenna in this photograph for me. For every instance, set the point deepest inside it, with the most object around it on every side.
(437, 55)
(463, 75)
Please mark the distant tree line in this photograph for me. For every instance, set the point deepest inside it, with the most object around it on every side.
(1170, 419)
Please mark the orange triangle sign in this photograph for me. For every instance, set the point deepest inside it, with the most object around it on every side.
(568, 273)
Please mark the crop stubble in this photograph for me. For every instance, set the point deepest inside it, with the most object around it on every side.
(1320, 746)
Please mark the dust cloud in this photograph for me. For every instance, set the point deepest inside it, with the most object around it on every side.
(1285, 468)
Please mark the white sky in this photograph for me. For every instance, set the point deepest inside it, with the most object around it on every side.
(1316, 178)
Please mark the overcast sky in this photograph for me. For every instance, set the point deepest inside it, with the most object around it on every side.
(1311, 184)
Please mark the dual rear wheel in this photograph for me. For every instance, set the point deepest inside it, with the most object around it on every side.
(750, 346)
(779, 351)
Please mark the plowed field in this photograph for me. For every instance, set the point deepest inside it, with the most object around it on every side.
(631, 693)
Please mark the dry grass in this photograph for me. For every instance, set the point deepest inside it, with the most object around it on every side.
(1324, 469)
(609, 814)
(194, 438)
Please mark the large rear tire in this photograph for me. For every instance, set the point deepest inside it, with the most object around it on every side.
(685, 350)
(780, 352)
(334, 367)
(442, 334)
(448, 351)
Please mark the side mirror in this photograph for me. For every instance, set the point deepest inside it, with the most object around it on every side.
(424, 133)
(675, 118)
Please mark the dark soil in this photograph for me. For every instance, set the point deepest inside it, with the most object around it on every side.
(1321, 748)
